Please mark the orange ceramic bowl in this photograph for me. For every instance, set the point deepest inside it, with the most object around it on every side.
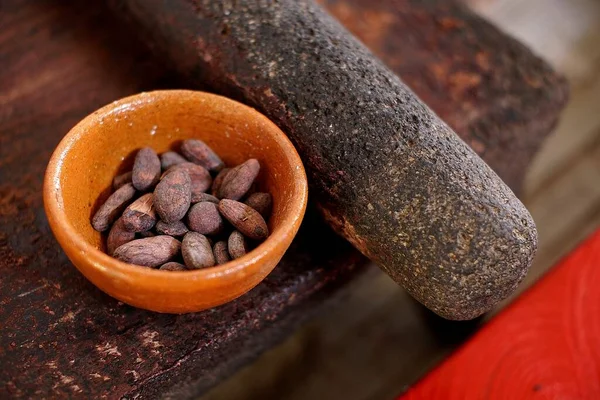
(83, 165)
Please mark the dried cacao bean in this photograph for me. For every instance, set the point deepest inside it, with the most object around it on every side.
(173, 266)
(140, 216)
(238, 180)
(220, 252)
(117, 236)
(196, 251)
(200, 177)
(199, 153)
(113, 207)
(218, 181)
(237, 245)
(170, 158)
(261, 202)
(244, 218)
(176, 228)
(146, 169)
(149, 252)
(172, 195)
(122, 179)
(204, 218)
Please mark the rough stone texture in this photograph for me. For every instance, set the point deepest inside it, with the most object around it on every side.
(63, 338)
(387, 173)
(497, 96)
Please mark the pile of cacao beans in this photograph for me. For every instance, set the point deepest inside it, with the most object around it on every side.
(161, 214)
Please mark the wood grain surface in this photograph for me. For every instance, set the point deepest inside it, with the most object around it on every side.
(544, 346)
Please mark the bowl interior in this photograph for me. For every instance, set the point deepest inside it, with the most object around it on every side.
(104, 144)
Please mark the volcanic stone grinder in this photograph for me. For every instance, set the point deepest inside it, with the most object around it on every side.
(385, 171)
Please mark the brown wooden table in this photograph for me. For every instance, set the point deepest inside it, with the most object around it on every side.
(60, 60)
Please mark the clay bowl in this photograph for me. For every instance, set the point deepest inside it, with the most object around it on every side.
(83, 165)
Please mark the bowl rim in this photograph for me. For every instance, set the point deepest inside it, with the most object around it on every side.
(64, 230)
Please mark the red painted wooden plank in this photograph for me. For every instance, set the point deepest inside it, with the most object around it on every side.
(544, 346)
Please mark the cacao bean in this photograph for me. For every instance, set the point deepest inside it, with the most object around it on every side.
(199, 176)
(170, 158)
(204, 218)
(172, 195)
(146, 169)
(218, 181)
(238, 180)
(149, 252)
(117, 236)
(220, 252)
(196, 251)
(173, 266)
(261, 202)
(122, 179)
(140, 216)
(199, 153)
(113, 207)
(176, 228)
(244, 218)
(237, 245)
